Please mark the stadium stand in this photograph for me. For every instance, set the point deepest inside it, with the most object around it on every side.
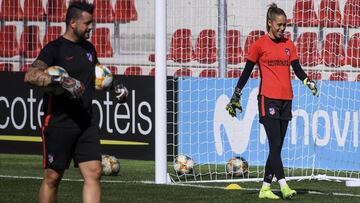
(6, 67)
(339, 76)
(152, 72)
(304, 14)
(113, 69)
(125, 11)
(306, 47)
(352, 13)
(183, 72)
(234, 51)
(210, 73)
(34, 10)
(30, 44)
(56, 10)
(329, 13)
(314, 75)
(104, 12)
(9, 46)
(251, 38)
(11, 10)
(353, 51)
(205, 50)
(51, 33)
(25, 67)
(180, 48)
(233, 73)
(133, 70)
(333, 53)
(101, 40)
(357, 79)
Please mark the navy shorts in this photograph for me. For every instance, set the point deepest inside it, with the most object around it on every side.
(274, 108)
(62, 145)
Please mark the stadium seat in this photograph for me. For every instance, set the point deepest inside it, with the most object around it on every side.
(6, 67)
(183, 72)
(304, 14)
(133, 70)
(52, 33)
(34, 10)
(104, 12)
(339, 76)
(357, 79)
(353, 51)
(352, 13)
(30, 44)
(306, 47)
(234, 51)
(125, 11)
(56, 10)
(333, 53)
(11, 10)
(9, 46)
(25, 67)
(314, 75)
(255, 74)
(113, 69)
(210, 73)
(180, 47)
(152, 72)
(233, 73)
(205, 47)
(101, 40)
(329, 13)
(251, 38)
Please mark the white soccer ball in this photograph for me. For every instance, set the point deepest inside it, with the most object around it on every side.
(237, 166)
(183, 164)
(110, 165)
(55, 71)
(103, 77)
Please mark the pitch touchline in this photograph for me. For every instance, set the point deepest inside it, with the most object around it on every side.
(180, 184)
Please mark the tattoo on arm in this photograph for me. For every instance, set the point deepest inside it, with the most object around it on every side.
(36, 76)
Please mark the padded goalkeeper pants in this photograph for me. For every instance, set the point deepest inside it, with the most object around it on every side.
(275, 131)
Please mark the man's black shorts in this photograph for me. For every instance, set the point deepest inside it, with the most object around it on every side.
(61, 145)
(274, 108)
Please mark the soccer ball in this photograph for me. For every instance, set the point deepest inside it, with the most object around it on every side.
(103, 77)
(237, 166)
(183, 164)
(110, 165)
(55, 71)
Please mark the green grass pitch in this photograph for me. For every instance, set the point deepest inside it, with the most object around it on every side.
(20, 177)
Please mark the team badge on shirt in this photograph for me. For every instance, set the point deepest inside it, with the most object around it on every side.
(287, 51)
(89, 55)
(272, 111)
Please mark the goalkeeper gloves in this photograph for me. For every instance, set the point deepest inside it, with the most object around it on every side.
(121, 92)
(312, 86)
(75, 87)
(234, 103)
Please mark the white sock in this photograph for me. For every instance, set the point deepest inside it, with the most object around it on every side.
(282, 182)
(266, 184)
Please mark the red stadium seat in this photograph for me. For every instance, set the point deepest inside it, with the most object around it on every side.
(205, 47)
(352, 13)
(9, 45)
(339, 76)
(233, 73)
(125, 11)
(25, 67)
(353, 51)
(11, 10)
(234, 51)
(180, 47)
(251, 38)
(314, 75)
(183, 72)
(152, 72)
(304, 14)
(306, 48)
(133, 70)
(56, 10)
(101, 40)
(113, 69)
(329, 13)
(52, 33)
(6, 67)
(357, 78)
(255, 74)
(34, 10)
(210, 73)
(104, 12)
(30, 44)
(333, 53)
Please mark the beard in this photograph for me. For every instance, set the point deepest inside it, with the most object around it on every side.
(82, 35)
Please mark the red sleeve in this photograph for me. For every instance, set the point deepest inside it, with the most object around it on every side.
(254, 52)
(293, 54)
